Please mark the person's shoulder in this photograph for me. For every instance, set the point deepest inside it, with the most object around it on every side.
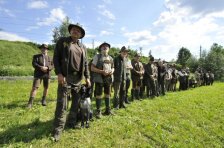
(37, 55)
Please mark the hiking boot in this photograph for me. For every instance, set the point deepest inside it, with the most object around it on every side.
(56, 137)
(126, 100)
(108, 112)
(122, 105)
(43, 101)
(98, 114)
(30, 102)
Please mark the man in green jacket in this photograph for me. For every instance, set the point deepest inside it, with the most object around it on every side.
(71, 65)
(120, 78)
(43, 65)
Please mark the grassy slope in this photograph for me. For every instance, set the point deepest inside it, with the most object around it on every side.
(192, 118)
(16, 58)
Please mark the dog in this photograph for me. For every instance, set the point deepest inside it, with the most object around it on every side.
(85, 106)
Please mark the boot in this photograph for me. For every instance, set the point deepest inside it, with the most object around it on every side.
(121, 102)
(108, 112)
(132, 94)
(98, 111)
(126, 100)
(137, 94)
(30, 102)
(115, 103)
(43, 101)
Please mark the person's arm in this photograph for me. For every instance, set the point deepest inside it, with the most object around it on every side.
(57, 61)
(51, 65)
(35, 63)
(86, 70)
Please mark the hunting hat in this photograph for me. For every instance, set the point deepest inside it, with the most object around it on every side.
(151, 58)
(103, 45)
(70, 26)
(137, 55)
(45, 46)
(124, 49)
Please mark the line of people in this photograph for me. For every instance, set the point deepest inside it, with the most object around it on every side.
(71, 67)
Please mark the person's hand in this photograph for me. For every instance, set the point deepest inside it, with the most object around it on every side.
(61, 79)
(44, 69)
(88, 83)
(105, 73)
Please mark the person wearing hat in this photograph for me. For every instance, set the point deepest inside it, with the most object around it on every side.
(136, 76)
(150, 73)
(42, 64)
(128, 68)
(103, 68)
(120, 78)
(71, 66)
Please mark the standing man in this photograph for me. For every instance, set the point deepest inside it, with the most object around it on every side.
(103, 69)
(71, 65)
(42, 64)
(150, 74)
(128, 67)
(161, 77)
(136, 76)
(120, 78)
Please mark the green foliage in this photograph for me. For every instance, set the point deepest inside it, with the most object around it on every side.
(193, 63)
(183, 55)
(61, 31)
(192, 118)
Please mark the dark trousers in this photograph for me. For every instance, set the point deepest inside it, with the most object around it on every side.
(62, 106)
(128, 83)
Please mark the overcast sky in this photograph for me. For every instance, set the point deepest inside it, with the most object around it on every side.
(162, 26)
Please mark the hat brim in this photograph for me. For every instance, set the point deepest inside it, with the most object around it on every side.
(43, 47)
(104, 44)
(80, 28)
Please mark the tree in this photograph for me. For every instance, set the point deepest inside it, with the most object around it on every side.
(61, 31)
(183, 55)
(193, 63)
(214, 61)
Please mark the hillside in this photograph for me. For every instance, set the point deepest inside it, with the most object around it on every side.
(16, 58)
(192, 118)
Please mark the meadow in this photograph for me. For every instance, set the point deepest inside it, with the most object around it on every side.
(192, 118)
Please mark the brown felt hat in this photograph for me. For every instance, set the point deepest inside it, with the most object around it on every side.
(70, 26)
(43, 46)
(104, 44)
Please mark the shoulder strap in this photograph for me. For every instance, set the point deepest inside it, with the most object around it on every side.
(99, 56)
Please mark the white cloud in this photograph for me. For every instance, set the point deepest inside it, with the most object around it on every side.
(12, 37)
(56, 15)
(140, 38)
(123, 29)
(199, 6)
(182, 26)
(7, 12)
(37, 4)
(103, 11)
(107, 1)
(104, 32)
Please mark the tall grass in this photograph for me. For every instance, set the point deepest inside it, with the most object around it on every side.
(192, 118)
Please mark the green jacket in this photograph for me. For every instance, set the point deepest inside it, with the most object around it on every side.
(61, 56)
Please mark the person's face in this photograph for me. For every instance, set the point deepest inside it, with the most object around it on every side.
(124, 54)
(105, 49)
(75, 32)
(137, 58)
(44, 50)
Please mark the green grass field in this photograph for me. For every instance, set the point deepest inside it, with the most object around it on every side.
(192, 118)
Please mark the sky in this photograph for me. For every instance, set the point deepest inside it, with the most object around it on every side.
(159, 26)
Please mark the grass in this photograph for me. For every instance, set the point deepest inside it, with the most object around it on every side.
(192, 118)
